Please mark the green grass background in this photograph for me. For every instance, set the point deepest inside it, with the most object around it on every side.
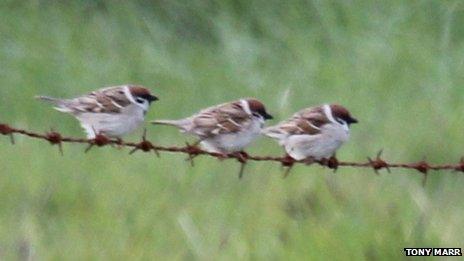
(397, 65)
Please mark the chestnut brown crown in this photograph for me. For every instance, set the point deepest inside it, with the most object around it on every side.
(142, 92)
(340, 112)
(257, 107)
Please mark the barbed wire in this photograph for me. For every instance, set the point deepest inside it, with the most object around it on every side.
(377, 163)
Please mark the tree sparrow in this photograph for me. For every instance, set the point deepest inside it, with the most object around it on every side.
(225, 128)
(315, 132)
(112, 111)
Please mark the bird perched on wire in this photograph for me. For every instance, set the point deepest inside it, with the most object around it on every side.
(225, 128)
(111, 111)
(313, 133)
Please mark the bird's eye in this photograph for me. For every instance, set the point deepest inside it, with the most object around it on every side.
(342, 122)
(256, 114)
(139, 100)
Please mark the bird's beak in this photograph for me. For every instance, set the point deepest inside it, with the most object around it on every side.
(152, 98)
(353, 120)
(267, 116)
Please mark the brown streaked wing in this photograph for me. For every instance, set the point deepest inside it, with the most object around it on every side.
(116, 94)
(298, 126)
(306, 121)
(107, 100)
(314, 115)
(221, 119)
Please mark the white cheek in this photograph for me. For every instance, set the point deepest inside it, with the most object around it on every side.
(144, 106)
(346, 128)
(260, 119)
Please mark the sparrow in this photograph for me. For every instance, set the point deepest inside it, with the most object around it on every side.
(313, 133)
(225, 128)
(111, 111)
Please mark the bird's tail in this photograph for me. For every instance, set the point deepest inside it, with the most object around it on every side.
(274, 133)
(49, 99)
(181, 124)
(59, 104)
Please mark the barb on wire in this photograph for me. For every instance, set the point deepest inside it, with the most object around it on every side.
(100, 140)
(144, 145)
(7, 130)
(287, 163)
(378, 163)
(55, 139)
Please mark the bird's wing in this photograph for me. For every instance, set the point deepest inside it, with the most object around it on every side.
(107, 100)
(305, 122)
(222, 119)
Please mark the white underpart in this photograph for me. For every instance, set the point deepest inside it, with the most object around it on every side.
(112, 124)
(233, 142)
(318, 146)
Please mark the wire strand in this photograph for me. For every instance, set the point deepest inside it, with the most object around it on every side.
(377, 163)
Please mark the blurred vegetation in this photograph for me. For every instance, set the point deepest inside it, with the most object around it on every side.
(397, 65)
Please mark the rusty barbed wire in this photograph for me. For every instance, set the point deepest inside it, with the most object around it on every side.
(192, 151)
